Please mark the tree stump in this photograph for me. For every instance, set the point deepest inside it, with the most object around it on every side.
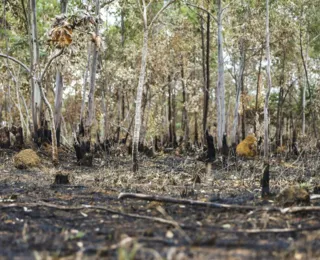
(61, 179)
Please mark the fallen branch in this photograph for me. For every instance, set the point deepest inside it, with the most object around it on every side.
(299, 209)
(215, 205)
(83, 207)
(182, 201)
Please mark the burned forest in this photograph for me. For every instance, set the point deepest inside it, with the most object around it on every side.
(159, 129)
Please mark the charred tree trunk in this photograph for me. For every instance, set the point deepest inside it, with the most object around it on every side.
(170, 112)
(225, 151)
(196, 133)
(84, 146)
(265, 190)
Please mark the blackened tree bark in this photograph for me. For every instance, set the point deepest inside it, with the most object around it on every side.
(84, 144)
(265, 190)
(170, 112)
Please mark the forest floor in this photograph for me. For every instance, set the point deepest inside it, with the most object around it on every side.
(86, 220)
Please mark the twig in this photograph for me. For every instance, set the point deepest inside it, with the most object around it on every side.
(275, 230)
(82, 207)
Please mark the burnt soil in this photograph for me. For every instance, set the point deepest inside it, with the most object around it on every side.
(43, 220)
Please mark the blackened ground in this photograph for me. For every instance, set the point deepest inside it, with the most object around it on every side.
(40, 232)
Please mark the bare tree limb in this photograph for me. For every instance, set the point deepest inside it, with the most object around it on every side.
(182, 201)
(16, 61)
(83, 207)
(160, 11)
(49, 63)
(215, 205)
(202, 9)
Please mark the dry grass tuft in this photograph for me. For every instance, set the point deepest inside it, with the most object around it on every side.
(293, 195)
(248, 147)
(26, 159)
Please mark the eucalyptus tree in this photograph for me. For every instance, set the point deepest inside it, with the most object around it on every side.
(59, 87)
(144, 8)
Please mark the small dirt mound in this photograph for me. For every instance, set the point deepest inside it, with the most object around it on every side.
(292, 196)
(26, 159)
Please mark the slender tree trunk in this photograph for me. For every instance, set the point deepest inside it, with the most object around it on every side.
(185, 123)
(196, 133)
(84, 148)
(174, 115)
(238, 91)
(144, 116)
(303, 109)
(203, 51)
(137, 123)
(309, 90)
(220, 93)
(265, 179)
(35, 89)
(8, 90)
(59, 87)
(85, 78)
(280, 102)
(244, 115)
(105, 117)
(118, 116)
(58, 104)
(170, 111)
(207, 81)
(257, 94)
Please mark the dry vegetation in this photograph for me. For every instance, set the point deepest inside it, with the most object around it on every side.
(86, 220)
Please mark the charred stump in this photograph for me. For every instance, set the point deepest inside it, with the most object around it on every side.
(225, 150)
(82, 147)
(43, 134)
(265, 189)
(294, 143)
(4, 137)
(211, 154)
(16, 137)
(61, 179)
